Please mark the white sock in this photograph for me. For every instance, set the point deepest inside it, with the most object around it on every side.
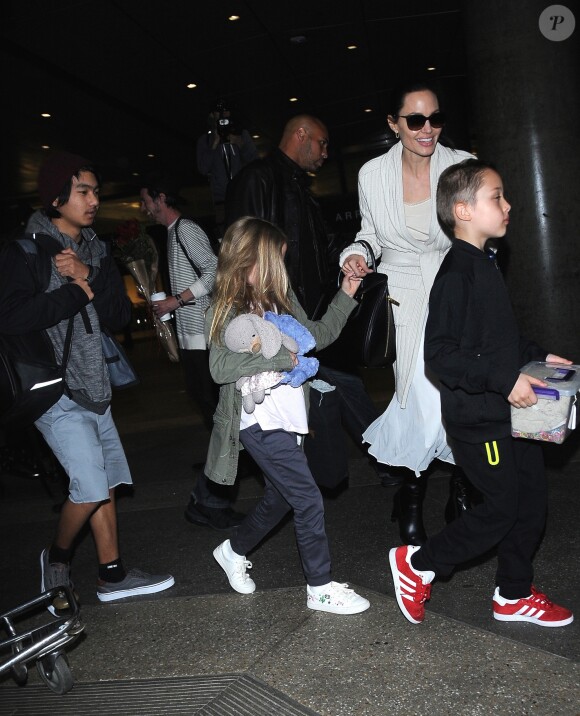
(322, 589)
(229, 552)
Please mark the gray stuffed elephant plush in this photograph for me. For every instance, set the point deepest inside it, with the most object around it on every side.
(249, 333)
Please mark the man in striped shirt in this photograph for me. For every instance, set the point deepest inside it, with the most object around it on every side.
(192, 267)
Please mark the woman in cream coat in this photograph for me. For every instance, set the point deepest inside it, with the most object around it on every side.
(399, 221)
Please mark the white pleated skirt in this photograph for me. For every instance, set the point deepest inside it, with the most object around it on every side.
(412, 436)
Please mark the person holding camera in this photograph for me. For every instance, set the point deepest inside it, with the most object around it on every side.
(221, 152)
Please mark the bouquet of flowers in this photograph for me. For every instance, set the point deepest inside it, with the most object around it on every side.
(134, 248)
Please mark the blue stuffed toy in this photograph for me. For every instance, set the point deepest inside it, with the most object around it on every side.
(307, 367)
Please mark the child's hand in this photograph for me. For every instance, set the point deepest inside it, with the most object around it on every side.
(350, 283)
(522, 395)
(551, 358)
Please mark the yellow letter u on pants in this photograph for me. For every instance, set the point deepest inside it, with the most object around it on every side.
(492, 453)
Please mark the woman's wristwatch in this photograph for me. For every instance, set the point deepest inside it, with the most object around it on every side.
(179, 300)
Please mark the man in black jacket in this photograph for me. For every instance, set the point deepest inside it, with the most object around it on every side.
(473, 345)
(276, 188)
(83, 282)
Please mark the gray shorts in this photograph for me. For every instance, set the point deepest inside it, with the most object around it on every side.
(88, 447)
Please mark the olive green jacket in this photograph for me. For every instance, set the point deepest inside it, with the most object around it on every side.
(226, 367)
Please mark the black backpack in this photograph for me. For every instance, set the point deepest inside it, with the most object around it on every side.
(31, 381)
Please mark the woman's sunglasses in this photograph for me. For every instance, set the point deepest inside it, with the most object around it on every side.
(417, 121)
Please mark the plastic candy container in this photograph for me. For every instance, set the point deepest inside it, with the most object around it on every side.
(554, 415)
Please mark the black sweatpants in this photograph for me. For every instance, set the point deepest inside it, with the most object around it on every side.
(510, 475)
(288, 485)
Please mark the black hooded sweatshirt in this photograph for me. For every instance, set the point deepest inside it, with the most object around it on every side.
(473, 345)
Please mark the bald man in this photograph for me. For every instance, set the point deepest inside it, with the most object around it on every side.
(277, 189)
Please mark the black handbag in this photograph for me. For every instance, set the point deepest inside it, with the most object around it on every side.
(121, 372)
(368, 339)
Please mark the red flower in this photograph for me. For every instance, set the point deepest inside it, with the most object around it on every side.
(128, 231)
(132, 242)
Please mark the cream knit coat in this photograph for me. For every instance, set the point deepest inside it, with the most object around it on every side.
(411, 265)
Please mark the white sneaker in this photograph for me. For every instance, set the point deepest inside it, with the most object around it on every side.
(336, 599)
(235, 569)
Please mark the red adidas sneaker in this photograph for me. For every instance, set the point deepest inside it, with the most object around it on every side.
(412, 588)
(536, 608)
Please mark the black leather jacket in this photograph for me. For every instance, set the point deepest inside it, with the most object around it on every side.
(277, 189)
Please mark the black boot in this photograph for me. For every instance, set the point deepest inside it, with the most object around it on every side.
(408, 509)
(389, 475)
(459, 495)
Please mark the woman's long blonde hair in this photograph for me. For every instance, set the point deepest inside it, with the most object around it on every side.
(249, 242)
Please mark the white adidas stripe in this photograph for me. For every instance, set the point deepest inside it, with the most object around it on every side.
(408, 582)
(529, 611)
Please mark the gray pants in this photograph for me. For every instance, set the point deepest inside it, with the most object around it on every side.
(289, 485)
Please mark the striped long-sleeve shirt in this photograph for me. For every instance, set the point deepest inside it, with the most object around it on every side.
(190, 318)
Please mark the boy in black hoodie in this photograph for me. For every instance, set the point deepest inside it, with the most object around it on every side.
(472, 344)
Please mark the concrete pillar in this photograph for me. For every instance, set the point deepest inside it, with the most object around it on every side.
(525, 91)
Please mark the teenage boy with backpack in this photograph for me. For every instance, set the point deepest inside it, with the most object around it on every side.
(82, 282)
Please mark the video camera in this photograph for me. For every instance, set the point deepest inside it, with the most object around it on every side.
(224, 123)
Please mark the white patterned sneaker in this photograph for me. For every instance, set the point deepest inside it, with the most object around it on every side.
(336, 599)
(235, 569)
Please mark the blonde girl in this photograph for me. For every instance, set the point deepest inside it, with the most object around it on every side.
(251, 277)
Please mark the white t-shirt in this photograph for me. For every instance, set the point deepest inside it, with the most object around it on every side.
(283, 408)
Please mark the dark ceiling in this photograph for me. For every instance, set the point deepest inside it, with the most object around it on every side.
(113, 75)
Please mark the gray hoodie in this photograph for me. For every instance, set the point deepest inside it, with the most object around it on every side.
(87, 376)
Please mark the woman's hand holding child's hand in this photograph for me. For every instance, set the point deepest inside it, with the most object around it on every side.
(357, 264)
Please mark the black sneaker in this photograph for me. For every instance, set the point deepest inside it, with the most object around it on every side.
(218, 518)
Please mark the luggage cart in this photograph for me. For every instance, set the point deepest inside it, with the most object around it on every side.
(43, 644)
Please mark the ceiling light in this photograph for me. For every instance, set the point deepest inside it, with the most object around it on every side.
(45, 146)
(151, 156)
(430, 69)
(191, 85)
(351, 47)
(233, 18)
(255, 136)
(368, 109)
(45, 115)
(293, 99)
